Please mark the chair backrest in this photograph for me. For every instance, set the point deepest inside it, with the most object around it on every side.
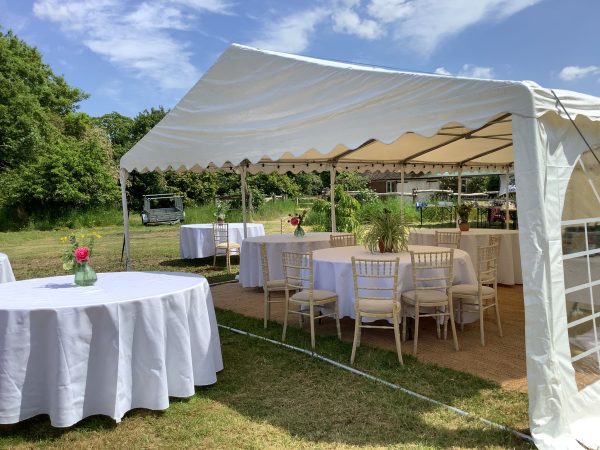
(342, 240)
(449, 239)
(375, 279)
(298, 270)
(432, 270)
(494, 239)
(264, 261)
(221, 232)
(487, 264)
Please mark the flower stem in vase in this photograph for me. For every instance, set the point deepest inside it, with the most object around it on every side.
(85, 275)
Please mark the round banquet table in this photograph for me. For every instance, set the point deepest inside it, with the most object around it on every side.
(130, 341)
(509, 256)
(333, 271)
(6, 273)
(250, 263)
(197, 241)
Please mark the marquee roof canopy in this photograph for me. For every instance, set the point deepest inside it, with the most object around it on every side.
(278, 112)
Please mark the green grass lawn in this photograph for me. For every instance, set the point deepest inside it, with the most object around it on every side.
(271, 397)
(268, 396)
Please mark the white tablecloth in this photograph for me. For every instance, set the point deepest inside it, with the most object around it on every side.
(130, 341)
(333, 271)
(6, 273)
(509, 258)
(197, 241)
(250, 264)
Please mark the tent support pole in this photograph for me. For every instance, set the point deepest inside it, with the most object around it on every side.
(459, 196)
(402, 193)
(123, 181)
(459, 199)
(506, 213)
(332, 197)
(243, 186)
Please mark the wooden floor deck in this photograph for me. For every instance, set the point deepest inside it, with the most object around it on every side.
(502, 360)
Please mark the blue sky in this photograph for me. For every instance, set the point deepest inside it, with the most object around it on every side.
(132, 55)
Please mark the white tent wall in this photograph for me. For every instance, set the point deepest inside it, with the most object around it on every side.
(584, 402)
(280, 112)
(560, 414)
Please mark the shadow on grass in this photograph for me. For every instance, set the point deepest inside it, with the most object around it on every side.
(204, 266)
(323, 404)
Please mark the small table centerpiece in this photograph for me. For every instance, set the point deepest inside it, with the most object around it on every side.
(386, 232)
(296, 220)
(76, 258)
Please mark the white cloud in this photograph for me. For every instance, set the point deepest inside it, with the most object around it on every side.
(349, 22)
(213, 6)
(442, 71)
(424, 24)
(136, 38)
(571, 73)
(469, 70)
(390, 10)
(291, 34)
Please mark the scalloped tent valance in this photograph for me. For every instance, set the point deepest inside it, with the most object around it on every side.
(283, 112)
(264, 111)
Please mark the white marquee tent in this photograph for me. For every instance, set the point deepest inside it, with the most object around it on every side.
(264, 111)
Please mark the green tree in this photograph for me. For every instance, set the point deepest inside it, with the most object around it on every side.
(51, 156)
(352, 181)
(274, 184)
(33, 102)
(309, 183)
(145, 121)
(119, 130)
(346, 209)
(70, 173)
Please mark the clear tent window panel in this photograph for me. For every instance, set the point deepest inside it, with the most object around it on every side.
(581, 265)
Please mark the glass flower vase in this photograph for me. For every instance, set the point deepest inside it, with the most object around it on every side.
(85, 275)
(299, 231)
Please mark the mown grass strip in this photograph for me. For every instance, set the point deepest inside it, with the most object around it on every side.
(375, 379)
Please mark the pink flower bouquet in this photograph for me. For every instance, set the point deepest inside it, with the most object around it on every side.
(296, 220)
(79, 250)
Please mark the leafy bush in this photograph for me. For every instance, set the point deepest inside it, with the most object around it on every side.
(346, 207)
(352, 181)
(319, 216)
(309, 183)
(366, 196)
(71, 173)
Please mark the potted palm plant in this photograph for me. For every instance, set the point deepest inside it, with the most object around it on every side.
(386, 232)
(464, 210)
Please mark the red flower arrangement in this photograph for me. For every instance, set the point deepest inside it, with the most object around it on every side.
(81, 254)
(76, 258)
(79, 250)
(296, 220)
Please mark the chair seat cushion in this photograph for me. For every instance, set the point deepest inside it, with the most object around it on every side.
(276, 284)
(374, 306)
(318, 295)
(471, 290)
(426, 297)
(231, 245)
